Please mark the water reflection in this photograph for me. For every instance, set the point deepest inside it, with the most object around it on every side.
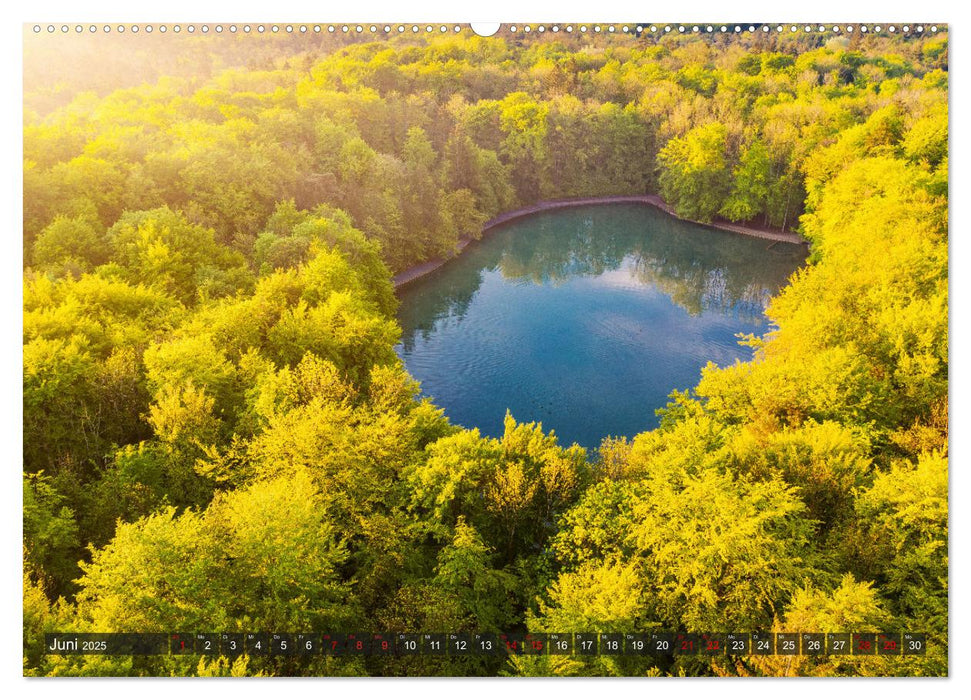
(697, 267)
(586, 318)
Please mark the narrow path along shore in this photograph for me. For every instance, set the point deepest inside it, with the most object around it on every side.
(413, 273)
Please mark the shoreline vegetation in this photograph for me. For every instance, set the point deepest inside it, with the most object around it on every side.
(420, 270)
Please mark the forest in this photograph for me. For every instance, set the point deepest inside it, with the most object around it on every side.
(218, 435)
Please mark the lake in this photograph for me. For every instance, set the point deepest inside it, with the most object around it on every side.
(585, 319)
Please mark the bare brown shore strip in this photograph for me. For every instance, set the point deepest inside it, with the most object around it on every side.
(417, 271)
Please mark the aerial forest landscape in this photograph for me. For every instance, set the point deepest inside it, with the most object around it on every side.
(548, 332)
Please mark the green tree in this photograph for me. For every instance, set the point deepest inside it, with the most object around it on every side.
(263, 557)
(695, 176)
(51, 543)
(70, 243)
(751, 185)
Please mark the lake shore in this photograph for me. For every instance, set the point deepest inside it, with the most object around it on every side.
(418, 271)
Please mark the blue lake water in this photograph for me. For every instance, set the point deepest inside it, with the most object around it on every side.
(586, 319)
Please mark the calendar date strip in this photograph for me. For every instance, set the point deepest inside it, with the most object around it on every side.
(472, 644)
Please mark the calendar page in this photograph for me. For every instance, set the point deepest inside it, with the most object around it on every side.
(445, 349)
